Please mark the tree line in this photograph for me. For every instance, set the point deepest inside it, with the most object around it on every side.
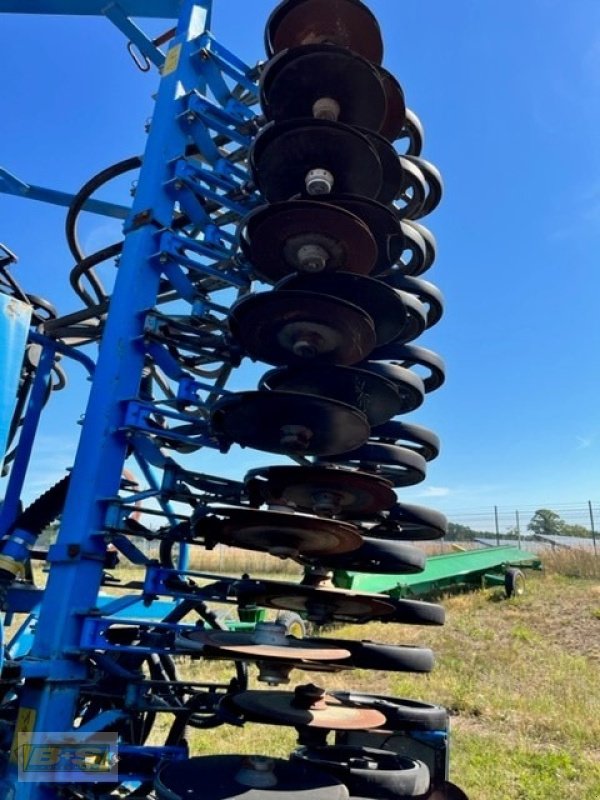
(544, 522)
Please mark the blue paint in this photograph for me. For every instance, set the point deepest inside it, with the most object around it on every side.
(77, 558)
(10, 184)
(132, 8)
(69, 618)
(14, 328)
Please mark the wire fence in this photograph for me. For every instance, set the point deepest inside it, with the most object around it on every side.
(489, 526)
(505, 520)
(559, 525)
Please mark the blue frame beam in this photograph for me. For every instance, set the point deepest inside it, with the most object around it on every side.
(77, 558)
(10, 184)
(161, 9)
(136, 36)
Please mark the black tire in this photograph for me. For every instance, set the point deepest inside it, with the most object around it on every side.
(416, 612)
(380, 556)
(401, 714)
(394, 776)
(514, 582)
(385, 657)
(412, 780)
(293, 623)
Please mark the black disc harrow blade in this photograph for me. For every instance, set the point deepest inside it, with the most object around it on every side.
(288, 423)
(337, 244)
(316, 489)
(346, 23)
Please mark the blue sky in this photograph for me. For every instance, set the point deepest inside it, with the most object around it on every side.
(508, 96)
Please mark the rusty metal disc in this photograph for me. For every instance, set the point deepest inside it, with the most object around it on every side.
(251, 644)
(395, 117)
(383, 223)
(283, 708)
(298, 78)
(378, 398)
(297, 327)
(401, 714)
(284, 153)
(322, 490)
(307, 236)
(337, 605)
(290, 423)
(381, 303)
(319, 605)
(346, 23)
(279, 533)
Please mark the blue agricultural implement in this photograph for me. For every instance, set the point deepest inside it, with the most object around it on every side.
(276, 219)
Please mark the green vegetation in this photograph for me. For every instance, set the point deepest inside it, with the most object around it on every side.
(519, 677)
(544, 522)
(548, 523)
(463, 533)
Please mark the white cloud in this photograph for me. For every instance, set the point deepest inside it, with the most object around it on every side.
(583, 442)
(435, 491)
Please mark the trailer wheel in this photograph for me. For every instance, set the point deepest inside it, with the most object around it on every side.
(293, 623)
(514, 582)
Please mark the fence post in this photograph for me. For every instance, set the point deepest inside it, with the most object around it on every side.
(593, 526)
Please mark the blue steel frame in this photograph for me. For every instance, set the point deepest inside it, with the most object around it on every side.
(77, 558)
(214, 193)
(10, 184)
(117, 421)
(165, 9)
(49, 348)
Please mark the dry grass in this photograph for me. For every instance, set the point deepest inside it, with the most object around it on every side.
(232, 561)
(520, 678)
(572, 563)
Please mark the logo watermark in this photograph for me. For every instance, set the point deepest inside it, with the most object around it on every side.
(67, 757)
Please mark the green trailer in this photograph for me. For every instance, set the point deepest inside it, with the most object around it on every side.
(467, 569)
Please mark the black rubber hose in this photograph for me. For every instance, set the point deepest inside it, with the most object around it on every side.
(85, 264)
(25, 385)
(92, 186)
(84, 194)
(85, 267)
(187, 717)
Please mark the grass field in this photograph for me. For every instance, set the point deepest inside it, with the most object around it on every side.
(519, 676)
